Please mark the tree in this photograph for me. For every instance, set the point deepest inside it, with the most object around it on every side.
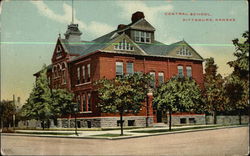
(237, 85)
(122, 94)
(241, 64)
(235, 93)
(38, 105)
(62, 102)
(7, 110)
(179, 94)
(45, 103)
(213, 92)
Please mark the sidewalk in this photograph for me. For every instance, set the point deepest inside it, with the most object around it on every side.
(130, 133)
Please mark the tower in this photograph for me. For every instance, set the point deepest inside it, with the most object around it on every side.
(73, 34)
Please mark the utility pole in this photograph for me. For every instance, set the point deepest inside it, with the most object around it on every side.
(14, 117)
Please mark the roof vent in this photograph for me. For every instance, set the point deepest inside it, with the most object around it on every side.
(121, 26)
(137, 16)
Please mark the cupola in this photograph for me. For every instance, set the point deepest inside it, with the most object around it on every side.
(73, 34)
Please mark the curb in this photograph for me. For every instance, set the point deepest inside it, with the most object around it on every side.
(123, 137)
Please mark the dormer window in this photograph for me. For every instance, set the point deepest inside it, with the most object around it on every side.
(184, 52)
(124, 45)
(141, 36)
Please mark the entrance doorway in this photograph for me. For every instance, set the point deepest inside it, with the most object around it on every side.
(159, 116)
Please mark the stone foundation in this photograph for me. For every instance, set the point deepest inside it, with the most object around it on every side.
(229, 119)
(198, 119)
(138, 121)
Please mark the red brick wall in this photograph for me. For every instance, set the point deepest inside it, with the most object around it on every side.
(103, 65)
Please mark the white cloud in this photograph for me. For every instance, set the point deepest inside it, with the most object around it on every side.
(98, 28)
(95, 28)
(150, 12)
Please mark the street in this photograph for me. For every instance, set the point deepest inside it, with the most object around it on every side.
(222, 142)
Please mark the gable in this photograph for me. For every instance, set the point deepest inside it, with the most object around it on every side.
(142, 25)
(183, 50)
(123, 44)
(59, 51)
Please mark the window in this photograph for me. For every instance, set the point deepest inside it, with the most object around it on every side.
(184, 52)
(192, 120)
(78, 124)
(124, 45)
(58, 52)
(89, 124)
(119, 68)
(148, 37)
(180, 71)
(64, 77)
(83, 74)
(161, 77)
(88, 66)
(137, 36)
(141, 36)
(58, 70)
(84, 102)
(58, 49)
(189, 71)
(78, 75)
(131, 122)
(130, 68)
(152, 82)
(118, 122)
(183, 120)
(89, 102)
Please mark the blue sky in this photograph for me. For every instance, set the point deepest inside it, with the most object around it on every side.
(29, 30)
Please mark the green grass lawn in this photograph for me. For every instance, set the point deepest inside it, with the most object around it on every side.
(111, 135)
(46, 133)
(174, 130)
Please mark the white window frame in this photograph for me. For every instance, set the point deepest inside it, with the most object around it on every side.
(124, 45)
(139, 35)
(64, 76)
(88, 67)
(89, 104)
(131, 68)
(180, 67)
(78, 73)
(184, 52)
(83, 74)
(189, 71)
(161, 74)
(153, 81)
(119, 64)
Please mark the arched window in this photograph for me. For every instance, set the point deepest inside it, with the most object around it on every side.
(63, 65)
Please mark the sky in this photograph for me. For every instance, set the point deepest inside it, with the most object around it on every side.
(29, 30)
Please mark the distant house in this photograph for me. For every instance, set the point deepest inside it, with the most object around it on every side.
(76, 64)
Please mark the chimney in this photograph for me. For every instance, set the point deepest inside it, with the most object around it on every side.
(137, 16)
(121, 26)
